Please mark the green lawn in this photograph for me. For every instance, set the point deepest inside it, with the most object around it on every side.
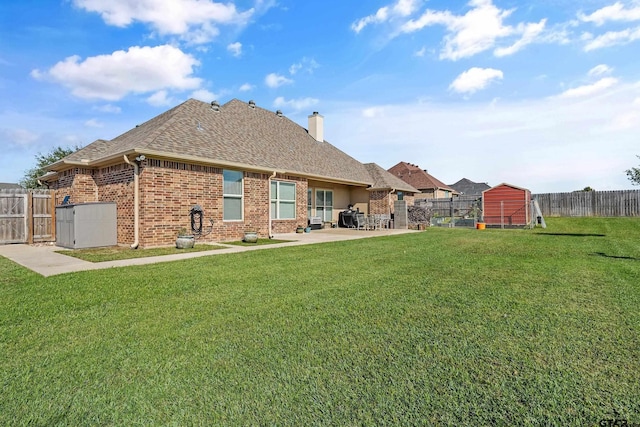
(114, 253)
(444, 327)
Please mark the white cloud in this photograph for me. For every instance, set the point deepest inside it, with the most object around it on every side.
(420, 53)
(138, 70)
(295, 104)
(19, 137)
(94, 123)
(204, 95)
(196, 20)
(160, 99)
(559, 140)
(305, 64)
(274, 80)
(477, 30)
(611, 38)
(235, 49)
(246, 87)
(400, 8)
(600, 70)
(373, 112)
(108, 108)
(530, 33)
(590, 89)
(614, 12)
(475, 79)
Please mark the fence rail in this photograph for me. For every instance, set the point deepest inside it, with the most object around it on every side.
(622, 203)
(27, 216)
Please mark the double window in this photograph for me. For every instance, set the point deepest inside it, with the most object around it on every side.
(283, 200)
(232, 195)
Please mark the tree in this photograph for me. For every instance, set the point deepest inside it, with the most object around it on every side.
(30, 178)
(634, 175)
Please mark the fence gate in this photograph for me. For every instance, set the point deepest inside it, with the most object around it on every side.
(27, 216)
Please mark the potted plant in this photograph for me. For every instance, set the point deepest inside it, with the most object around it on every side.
(184, 239)
(250, 236)
(300, 229)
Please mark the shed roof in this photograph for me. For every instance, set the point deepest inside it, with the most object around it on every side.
(237, 135)
(504, 184)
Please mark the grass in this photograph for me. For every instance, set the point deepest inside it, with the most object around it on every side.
(115, 253)
(444, 327)
(260, 242)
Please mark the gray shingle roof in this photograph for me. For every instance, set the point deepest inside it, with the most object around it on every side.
(467, 187)
(235, 135)
(384, 180)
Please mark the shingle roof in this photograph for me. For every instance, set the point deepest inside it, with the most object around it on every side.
(9, 185)
(237, 134)
(418, 178)
(470, 188)
(384, 180)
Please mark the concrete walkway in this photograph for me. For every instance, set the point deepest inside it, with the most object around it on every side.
(45, 260)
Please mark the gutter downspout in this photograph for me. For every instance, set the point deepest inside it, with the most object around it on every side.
(136, 202)
(270, 178)
(393, 190)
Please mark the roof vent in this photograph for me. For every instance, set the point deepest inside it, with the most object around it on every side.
(199, 127)
(279, 113)
(252, 104)
(215, 105)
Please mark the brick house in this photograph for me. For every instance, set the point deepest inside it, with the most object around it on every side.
(428, 186)
(244, 166)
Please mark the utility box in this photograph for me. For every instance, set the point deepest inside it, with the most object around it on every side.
(86, 225)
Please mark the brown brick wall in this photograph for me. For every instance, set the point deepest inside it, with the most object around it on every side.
(168, 190)
(379, 202)
(78, 183)
(115, 184)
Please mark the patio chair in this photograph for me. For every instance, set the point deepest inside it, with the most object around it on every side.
(360, 221)
(373, 222)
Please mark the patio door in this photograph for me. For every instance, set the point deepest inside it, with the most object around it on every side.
(324, 204)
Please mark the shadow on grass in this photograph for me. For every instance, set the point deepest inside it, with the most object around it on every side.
(602, 254)
(573, 234)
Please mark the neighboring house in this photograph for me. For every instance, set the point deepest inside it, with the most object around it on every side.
(466, 187)
(245, 167)
(429, 186)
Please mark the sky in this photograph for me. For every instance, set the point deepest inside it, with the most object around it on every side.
(543, 95)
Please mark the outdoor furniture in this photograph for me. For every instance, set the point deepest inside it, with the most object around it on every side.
(360, 221)
(347, 219)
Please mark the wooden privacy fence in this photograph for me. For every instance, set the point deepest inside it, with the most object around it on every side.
(622, 203)
(27, 216)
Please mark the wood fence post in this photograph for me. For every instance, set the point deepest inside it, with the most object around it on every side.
(30, 217)
(53, 214)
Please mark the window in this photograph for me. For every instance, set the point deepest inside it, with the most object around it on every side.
(283, 200)
(324, 204)
(232, 195)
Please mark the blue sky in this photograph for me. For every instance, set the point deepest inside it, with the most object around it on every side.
(544, 95)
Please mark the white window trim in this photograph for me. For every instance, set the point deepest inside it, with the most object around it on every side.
(233, 196)
(315, 198)
(277, 200)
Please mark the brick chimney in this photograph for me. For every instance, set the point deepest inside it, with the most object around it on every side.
(316, 126)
